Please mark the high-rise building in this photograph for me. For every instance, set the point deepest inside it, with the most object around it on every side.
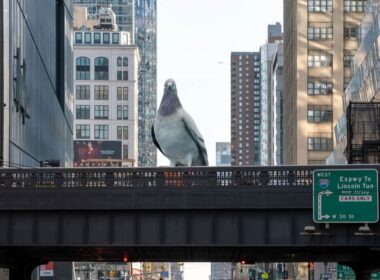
(274, 32)
(124, 10)
(36, 83)
(362, 143)
(267, 53)
(139, 17)
(105, 94)
(223, 154)
(320, 39)
(146, 40)
(221, 271)
(245, 108)
(277, 108)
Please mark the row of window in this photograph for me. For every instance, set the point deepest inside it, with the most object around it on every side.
(327, 5)
(320, 33)
(101, 65)
(354, 5)
(101, 112)
(326, 33)
(319, 143)
(96, 38)
(319, 60)
(320, 5)
(101, 92)
(319, 113)
(83, 131)
(319, 86)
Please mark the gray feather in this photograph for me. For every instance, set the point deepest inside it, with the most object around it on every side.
(174, 131)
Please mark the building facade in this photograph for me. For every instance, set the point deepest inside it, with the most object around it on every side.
(36, 83)
(221, 271)
(124, 10)
(362, 144)
(321, 39)
(106, 90)
(146, 40)
(223, 153)
(267, 53)
(274, 32)
(139, 17)
(245, 108)
(277, 107)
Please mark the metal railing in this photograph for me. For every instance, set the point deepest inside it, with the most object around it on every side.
(250, 176)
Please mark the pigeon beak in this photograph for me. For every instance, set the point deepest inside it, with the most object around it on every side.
(170, 85)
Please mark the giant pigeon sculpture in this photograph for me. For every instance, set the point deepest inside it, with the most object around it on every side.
(174, 131)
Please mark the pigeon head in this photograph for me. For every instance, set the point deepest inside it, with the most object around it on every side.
(170, 101)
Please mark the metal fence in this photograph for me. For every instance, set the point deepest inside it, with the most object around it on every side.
(250, 176)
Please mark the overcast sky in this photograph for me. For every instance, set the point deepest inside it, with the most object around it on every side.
(194, 42)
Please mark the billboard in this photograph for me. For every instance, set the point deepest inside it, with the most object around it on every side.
(97, 153)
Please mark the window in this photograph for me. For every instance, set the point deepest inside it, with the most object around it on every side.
(82, 112)
(119, 132)
(125, 112)
(119, 62)
(82, 92)
(96, 38)
(319, 113)
(320, 142)
(351, 32)
(125, 132)
(122, 75)
(125, 61)
(101, 131)
(319, 5)
(125, 151)
(101, 112)
(320, 31)
(101, 68)
(122, 93)
(82, 68)
(101, 92)
(354, 6)
(87, 38)
(319, 86)
(115, 38)
(347, 60)
(106, 38)
(119, 112)
(78, 38)
(319, 59)
(83, 131)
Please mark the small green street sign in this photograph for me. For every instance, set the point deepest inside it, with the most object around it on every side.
(345, 196)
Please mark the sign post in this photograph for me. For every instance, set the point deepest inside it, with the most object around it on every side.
(345, 196)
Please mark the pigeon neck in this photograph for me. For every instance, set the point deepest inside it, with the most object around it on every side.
(169, 105)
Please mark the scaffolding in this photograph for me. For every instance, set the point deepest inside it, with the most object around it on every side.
(363, 132)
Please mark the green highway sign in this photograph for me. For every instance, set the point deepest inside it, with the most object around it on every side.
(344, 272)
(345, 196)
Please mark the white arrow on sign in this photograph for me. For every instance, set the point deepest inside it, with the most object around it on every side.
(320, 194)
